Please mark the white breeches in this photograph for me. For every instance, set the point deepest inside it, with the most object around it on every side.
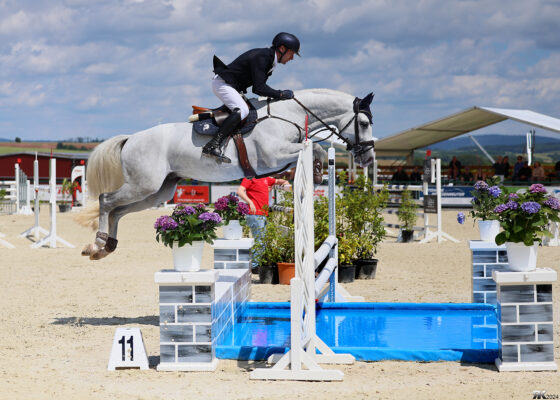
(229, 96)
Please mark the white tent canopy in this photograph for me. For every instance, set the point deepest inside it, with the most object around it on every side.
(402, 144)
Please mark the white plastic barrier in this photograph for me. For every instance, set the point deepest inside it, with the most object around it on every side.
(301, 362)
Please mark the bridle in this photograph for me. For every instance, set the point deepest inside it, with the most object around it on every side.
(358, 147)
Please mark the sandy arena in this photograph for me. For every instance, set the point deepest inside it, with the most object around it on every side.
(61, 311)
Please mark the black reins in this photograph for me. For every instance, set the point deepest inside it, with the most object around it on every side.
(357, 148)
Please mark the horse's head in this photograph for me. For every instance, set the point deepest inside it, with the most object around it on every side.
(357, 132)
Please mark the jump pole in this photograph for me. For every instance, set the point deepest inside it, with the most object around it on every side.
(51, 239)
(36, 229)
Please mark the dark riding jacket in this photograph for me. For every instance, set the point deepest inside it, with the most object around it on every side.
(251, 68)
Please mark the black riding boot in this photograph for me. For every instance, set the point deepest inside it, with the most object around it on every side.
(213, 147)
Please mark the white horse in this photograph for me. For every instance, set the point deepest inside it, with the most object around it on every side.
(130, 173)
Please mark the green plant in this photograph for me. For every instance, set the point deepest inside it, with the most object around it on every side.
(485, 199)
(524, 217)
(2, 193)
(407, 211)
(186, 225)
(68, 187)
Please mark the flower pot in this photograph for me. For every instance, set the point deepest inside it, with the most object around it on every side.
(233, 230)
(488, 230)
(521, 257)
(286, 271)
(188, 257)
(346, 273)
(64, 207)
(268, 274)
(407, 236)
(365, 268)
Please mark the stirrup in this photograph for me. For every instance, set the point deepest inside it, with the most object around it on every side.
(220, 158)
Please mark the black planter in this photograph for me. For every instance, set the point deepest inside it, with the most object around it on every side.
(64, 207)
(365, 268)
(406, 236)
(346, 273)
(268, 274)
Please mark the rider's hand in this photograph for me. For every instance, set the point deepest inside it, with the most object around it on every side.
(286, 94)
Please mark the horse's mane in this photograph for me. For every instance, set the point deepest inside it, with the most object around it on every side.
(305, 92)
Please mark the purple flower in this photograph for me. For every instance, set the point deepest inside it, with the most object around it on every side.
(243, 208)
(531, 207)
(461, 218)
(184, 210)
(210, 216)
(481, 186)
(494, 191)
(552, 202)
(165, 223)
(500, 208)
(537, 188)
(221, 204)
(513, 196)
(512, 205)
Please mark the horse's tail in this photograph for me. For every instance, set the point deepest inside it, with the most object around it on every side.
(104, 174)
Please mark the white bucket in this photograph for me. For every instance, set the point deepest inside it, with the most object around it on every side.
(521, 257)
(233, 230)
(488, 230)
(188, 257)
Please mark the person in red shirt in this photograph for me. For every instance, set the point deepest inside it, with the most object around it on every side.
(255, 192)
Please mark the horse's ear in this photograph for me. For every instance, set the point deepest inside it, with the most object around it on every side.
(367, 100)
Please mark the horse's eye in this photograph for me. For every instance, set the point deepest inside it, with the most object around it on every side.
(364, 124)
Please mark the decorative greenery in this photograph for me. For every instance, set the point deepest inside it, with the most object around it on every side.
(2, 193)
(186, 225)
(485, 199)
(524, 217)
(68, 187)
(407, 211)
(230, 208)
(278, 236)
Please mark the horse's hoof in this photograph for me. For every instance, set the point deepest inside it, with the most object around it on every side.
(89, 249)
(98, 255)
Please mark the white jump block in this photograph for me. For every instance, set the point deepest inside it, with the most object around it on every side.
(486, 257)
(197, 309)
(232, 254)
(525, 320)
(128, 350)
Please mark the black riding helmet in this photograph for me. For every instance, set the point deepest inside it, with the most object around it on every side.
(287, 39)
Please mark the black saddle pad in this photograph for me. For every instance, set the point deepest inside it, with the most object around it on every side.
(208, 127)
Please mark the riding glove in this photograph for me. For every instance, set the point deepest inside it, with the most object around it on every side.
(286, 94)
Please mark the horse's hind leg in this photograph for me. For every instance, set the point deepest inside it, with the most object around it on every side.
(163, 194)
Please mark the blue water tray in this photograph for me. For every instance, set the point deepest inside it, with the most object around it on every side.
(372, 331)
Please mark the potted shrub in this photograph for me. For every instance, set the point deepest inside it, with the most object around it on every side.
(407, 216)
(524, 218)
(185, 232)
(485, 199)
(68, 188)
(233, 214)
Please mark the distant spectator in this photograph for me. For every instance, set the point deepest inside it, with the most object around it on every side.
(416, 175)
(525, 172)
(400, 175)
(454, 168)
(467, 176)
(480, 174)
(506, 166)
(557, 169)
(518, 165)
(538, 172)
(499, 168)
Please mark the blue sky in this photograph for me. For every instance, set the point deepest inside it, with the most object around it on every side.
(72, 68)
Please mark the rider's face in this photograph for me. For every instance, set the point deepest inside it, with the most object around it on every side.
(288, 56)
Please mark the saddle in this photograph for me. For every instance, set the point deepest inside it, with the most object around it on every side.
(207, 121)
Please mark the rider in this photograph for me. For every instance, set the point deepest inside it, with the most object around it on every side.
(251, 68)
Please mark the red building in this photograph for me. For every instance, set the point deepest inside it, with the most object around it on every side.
(65, 162)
